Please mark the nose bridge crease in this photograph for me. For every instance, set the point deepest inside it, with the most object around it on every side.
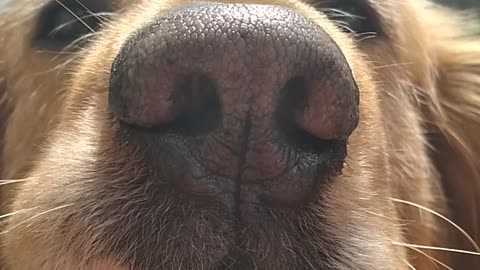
(242, 160)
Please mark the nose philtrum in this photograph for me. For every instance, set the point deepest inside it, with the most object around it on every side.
(268, 69)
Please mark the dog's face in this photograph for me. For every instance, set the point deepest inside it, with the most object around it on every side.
(158, 134)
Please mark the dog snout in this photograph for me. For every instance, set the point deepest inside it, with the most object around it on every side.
(251, 104)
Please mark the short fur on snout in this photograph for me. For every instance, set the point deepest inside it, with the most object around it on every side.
(75, 198)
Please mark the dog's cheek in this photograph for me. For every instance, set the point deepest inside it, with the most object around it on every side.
(5, 111)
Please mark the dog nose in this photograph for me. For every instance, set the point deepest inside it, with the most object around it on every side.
(250, 104)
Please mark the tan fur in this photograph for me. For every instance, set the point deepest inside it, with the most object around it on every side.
(417, 142)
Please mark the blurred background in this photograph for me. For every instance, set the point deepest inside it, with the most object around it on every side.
(462, 3)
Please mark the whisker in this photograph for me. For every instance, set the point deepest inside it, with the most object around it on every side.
(436, 261)
(409, 264)
(367, 35)
(393, 65)
(75, 15)
(66, 51)
(55, 52)
(467, 236)
(99, 18)
(398, 221)
(36, 216)
(337, 13)
(62, 66)
(437, 248)
(58, 28)
(15, 213)
(78, 40)
(105, 15)
(8, 182)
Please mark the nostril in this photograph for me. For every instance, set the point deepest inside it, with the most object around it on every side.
(296, 93)
(186, 104)
(197, 106)
(324, 109)
(294, 102)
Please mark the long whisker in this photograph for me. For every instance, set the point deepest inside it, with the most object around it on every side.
(432, 258)
(367, 35)
(66, 51)
(393, 65)
(437, 248)
(78, 40)
(409, 264)
(99, 18)
(16, 212)
(75, 15)
(8, 182)
(58, 28)
(59, 52)
(36, 216)
(467, 236)
(72, 45)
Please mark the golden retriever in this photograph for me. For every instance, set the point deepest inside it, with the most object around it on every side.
(239, 134)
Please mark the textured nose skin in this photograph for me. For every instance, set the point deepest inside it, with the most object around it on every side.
(253, 100)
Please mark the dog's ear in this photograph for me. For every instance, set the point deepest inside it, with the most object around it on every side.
(453, 118)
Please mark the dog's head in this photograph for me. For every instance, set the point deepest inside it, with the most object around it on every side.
(257, 134)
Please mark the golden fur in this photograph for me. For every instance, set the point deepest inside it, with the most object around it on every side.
(416, 148)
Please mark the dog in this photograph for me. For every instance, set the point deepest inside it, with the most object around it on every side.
(256, 134)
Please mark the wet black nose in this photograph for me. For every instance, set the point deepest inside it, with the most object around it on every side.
(249, 103)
